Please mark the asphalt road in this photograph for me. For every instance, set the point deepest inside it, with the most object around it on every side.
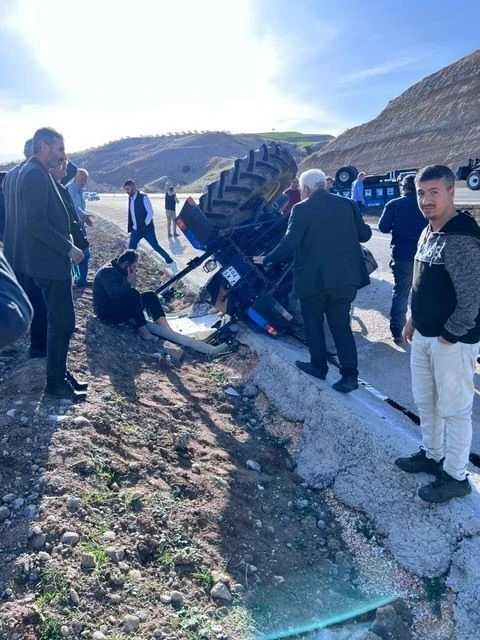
(383, 365)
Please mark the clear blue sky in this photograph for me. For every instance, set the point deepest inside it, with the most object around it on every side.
(98, 70)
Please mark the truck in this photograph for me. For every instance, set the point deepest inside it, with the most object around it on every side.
(378, 189)
(470, 173)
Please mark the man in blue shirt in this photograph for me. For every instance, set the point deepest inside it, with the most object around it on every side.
(404, 219)
(357, 190)
(75, 189)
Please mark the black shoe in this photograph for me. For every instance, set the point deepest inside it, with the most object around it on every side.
(444, 488)
(346, 384)
(37, 353)
(76, 384)
(397, 338)
(306, 367)
(419, 463)
(64, 391)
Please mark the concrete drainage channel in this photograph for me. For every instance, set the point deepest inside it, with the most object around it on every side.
(349, 444)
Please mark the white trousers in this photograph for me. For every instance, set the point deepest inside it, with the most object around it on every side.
(442, 382)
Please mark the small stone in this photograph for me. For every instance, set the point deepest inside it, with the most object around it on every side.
(39, 541)
(115, 598)
(73, 503)
(4, 513)
(98, 635)
(64, 631)
(174, 351)
(181, 442)
(165, 598)
(177, 597)
(81, 421)
(109, 536)
(142, 615)
(70, 538)
(18, 503)
(253, 466)
(43, 556)
(115, 554)
(250, 390)
(9, 497)
(196, 468)
(88, 561)
(221, 592)
(130, 623)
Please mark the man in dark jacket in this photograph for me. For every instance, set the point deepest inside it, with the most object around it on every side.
(15, 309)
(42, 244)
(444, 331)
(324, 234)
(402, 217)
(116, 300)
(140, 220)
(16, 258)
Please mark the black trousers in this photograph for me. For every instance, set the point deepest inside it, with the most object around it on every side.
(38, 328)
(131, 307)
(60, 326)
(335, 304)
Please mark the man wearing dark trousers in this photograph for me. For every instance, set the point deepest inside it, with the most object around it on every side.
(140, 220)
(116, 300)
(43, 237)
(324, 234)
(402, 217)
(14, 252)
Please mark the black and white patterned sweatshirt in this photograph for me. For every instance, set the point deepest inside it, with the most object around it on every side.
(446, 281)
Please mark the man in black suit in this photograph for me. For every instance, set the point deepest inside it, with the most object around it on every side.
(324, 234)
(42, 239)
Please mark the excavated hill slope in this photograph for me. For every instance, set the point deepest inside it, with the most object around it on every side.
(437, 120)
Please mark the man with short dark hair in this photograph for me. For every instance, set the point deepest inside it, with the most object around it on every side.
(16, 258)
(140, 220)
(116, 300)
(403, 218)
(331, 185)
(171, 202)
(444, 331)
(293, 194)
(323, 235)
(42, 239)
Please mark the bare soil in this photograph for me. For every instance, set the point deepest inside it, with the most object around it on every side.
(167, 506)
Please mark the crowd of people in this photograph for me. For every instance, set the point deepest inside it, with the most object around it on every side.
(435, 251)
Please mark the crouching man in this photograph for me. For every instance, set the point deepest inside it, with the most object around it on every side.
(116, 300)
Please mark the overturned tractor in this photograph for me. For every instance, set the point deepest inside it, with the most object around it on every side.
(237, 218)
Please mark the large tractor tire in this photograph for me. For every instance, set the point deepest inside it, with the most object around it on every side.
(462, 172)
(345, 176)
(473, 180)
(261, 176)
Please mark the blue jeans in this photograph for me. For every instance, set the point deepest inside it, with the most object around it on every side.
(402, 277)
(149, 236)
(83, 269)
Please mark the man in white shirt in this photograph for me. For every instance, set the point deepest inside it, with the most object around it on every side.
(140, 220)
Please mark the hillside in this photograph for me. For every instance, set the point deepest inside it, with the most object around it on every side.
(184, 159)
(435, 120)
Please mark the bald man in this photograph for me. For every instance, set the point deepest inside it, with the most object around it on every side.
(76, 188)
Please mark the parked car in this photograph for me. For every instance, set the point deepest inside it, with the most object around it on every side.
(94, 196)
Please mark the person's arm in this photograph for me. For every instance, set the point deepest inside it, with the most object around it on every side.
(149, 208)
(385, 224)
(364, 230)
(15, 309)
(114, 286)
(35, 198)
(296, 230)
(462, 262)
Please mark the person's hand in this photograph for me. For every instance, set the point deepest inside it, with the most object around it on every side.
(443, 341)
(76, 255)
(408, 331)
(89, 219)
(258, 259)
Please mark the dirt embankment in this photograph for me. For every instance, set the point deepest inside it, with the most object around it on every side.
(167, 506)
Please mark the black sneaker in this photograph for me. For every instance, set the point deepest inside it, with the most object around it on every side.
(64, 391)
(307, 367)
(76, 384)
(346, 384)
(419, 463)
(444, 488)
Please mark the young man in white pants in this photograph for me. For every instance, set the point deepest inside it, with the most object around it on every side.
(444, 331)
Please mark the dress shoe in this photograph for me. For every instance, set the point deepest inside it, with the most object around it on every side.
(64, 391)
(307, 367)
(346, 384)
(76, 384)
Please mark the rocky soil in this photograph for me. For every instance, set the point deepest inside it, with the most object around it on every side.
(167, 506)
